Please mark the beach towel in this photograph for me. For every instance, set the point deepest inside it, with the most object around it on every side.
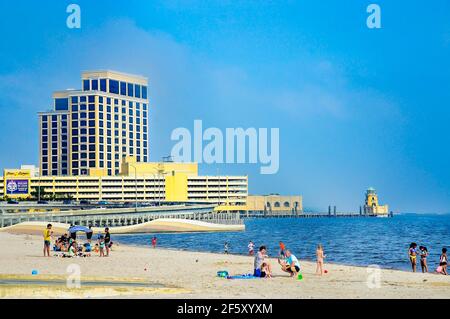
(245, 276)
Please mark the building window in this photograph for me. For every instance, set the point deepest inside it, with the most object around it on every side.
(286, 204)
(114, 86)
(123, 88)
(137, 91)
(103, 85)
(144, 92)
(130, 89)
(94, 84)
(86, 85)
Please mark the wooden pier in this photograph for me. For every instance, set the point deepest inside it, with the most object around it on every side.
(288, 214)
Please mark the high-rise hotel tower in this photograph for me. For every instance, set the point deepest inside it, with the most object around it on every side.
(89, 131)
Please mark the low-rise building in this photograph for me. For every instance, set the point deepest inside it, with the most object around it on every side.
(143, 182)
(274, 204)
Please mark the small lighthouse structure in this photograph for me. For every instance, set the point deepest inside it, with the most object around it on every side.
(372, 207)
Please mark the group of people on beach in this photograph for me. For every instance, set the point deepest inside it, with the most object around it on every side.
(69, 247)
(286, 259)
(422, 252)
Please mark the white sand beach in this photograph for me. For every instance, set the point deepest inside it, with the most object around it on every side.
(184, 274)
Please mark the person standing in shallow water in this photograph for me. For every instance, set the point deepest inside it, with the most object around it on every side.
(154, 242)
(225, 248)
(251, 248)
(320, 257)
(412, 253)
(423, 258)
(443, 261)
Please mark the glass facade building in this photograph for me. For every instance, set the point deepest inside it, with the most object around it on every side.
(89, 131)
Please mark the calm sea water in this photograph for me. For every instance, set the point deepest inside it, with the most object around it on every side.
(352, 241)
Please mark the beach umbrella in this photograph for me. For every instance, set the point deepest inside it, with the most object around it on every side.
(74, 229)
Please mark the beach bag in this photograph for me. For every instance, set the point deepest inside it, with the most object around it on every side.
(439, 269)
(222, 273)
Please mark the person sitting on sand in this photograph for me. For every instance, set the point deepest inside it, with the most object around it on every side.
(71, 251)
(413, 255)
(47, 239)
(259, 261)
(87, 248)
(266, 270)
(320, 257)
(423, 258)
(443, 261)
(290, 264)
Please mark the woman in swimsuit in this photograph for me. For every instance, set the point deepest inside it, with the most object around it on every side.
(412, 255)
(423, 258)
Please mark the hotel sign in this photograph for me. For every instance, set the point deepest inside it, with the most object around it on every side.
(17, 183)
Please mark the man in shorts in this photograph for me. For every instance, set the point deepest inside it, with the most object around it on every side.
(290, 264)
(47, 240)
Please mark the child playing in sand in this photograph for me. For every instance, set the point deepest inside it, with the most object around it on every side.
(266, 271)
(423, 258)
(320, 257)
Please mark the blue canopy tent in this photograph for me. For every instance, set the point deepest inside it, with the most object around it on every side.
(75, 229)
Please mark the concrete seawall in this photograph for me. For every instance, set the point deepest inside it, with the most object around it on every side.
(155, 226)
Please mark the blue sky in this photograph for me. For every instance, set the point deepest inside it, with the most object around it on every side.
(356, 107)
